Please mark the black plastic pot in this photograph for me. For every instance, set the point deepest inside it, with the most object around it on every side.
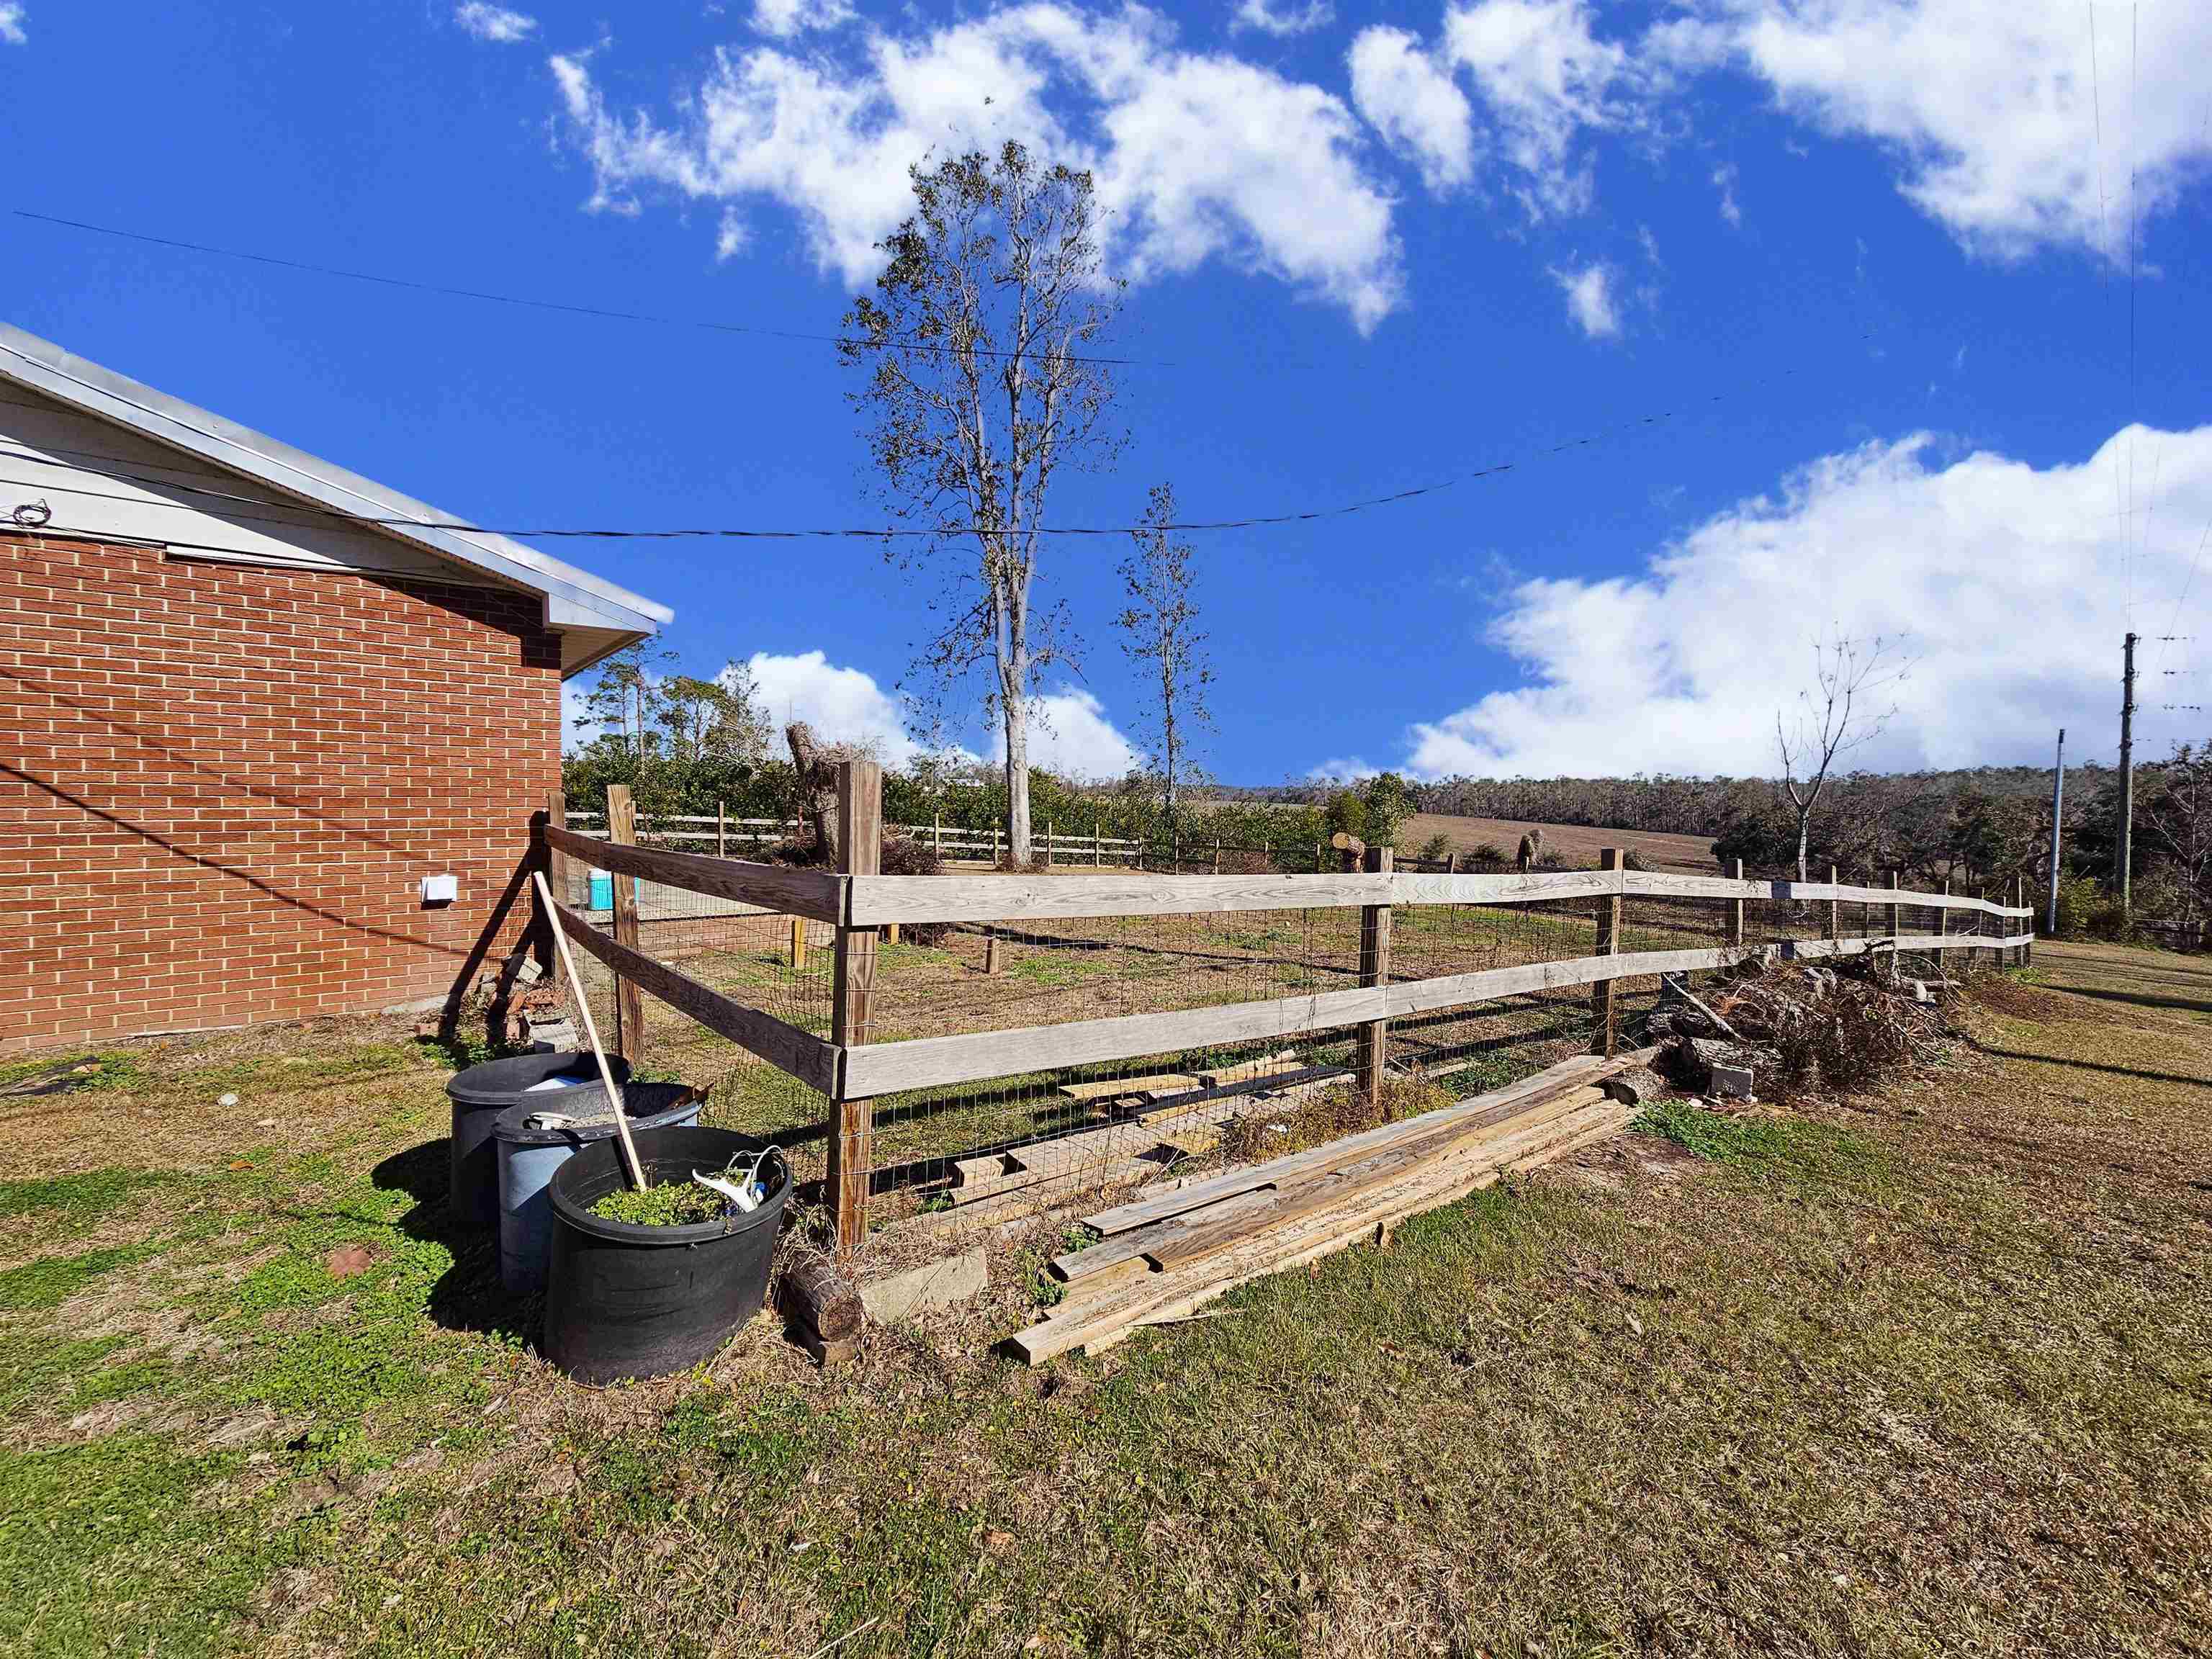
(529, 1153)
(480, 1093)
(624, 1301)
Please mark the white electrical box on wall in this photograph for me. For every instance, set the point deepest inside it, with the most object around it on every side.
(440, 889)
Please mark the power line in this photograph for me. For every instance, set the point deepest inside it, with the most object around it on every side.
(1267, 521)
(572, 308)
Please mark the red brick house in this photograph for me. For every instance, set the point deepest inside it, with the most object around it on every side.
(247, 739)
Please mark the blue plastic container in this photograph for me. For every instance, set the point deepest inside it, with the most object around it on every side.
(529, 1154)
(603, 890)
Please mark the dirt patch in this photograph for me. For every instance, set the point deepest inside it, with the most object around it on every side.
(1621, 1164)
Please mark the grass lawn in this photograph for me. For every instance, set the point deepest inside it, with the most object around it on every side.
(1927, 1372)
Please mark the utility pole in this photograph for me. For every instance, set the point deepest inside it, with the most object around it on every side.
(2123, 876)
(2057, 811)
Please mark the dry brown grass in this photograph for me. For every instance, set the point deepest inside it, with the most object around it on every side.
(1578, 844)
(1929, 1370)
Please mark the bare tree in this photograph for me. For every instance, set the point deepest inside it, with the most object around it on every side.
(1159, 628)
(979, 386)
(2177, 809)
(1839, 711)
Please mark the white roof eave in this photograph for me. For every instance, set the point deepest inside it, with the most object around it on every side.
(574, 598)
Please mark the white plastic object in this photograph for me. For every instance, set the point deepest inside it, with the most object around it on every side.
(746, 1198)
(440, 889)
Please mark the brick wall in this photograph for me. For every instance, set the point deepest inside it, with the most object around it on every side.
(221, 787)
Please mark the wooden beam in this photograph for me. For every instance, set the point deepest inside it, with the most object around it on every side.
(1605, 1002)
(852, 1120)
(802, 1054)
(629, 999)
(1735, 921)
(814, 893)
(557, 877)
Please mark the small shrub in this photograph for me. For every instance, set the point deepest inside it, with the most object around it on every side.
(1487, 852)
(1436, 850)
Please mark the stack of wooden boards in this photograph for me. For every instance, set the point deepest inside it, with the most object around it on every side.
(1161, 1257)
(1153, 1120)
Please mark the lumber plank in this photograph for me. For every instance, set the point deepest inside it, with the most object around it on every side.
(1360, 1230)
(1117, 1298)
(1492, 1107)
(925, 1062)
(1158, 1083)
(812, 893)
(1095, 1259)
(1093, 1323)
(802, 1054)
(1287, 1060)
(1348, 1181)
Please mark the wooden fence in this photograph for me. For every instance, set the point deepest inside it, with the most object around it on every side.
(853, 1072)
(971, 846)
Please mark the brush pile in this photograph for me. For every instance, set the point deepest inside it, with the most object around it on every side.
(1795, 1025)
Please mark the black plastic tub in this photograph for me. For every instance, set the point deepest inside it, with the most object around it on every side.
(624, 1301)
(480, 1093)
(529, 1151)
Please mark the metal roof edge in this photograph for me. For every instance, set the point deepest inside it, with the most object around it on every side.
(47, 368)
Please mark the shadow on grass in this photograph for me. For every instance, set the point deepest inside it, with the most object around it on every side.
(2087, 1066)
(2140, 1000)
(468, 1296)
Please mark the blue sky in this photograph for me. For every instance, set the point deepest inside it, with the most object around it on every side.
(1871, 258)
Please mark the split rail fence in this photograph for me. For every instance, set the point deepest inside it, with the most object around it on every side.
(1576, 938)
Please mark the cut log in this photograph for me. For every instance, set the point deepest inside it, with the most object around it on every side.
(818, 1300)
(1639, 1087)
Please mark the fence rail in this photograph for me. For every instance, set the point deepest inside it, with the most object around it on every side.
(856, 1073)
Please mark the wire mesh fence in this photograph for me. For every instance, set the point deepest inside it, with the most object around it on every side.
(952, 1162)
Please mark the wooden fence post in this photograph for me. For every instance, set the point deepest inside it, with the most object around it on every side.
(1735, 920)
(1835, 910)
(852, 1123)
(629, 996)
(721, 832)
(798, 944)
(1098, 848)
(1374, 969)
(1605, 1003)
(1896, 921)
(940, 832)
(557, 877)
(1048, 843)
(1943, 931)
(1217, 855)
(994, 844)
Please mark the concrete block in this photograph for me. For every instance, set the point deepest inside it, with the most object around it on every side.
(934, 1284)
(1732, 1082)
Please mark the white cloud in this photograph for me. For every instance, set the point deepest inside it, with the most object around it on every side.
(2003, 580)
(1543, 81)
(1198, 156)
(1589, 300)
(1069, 731)
(1724, 180)
(1411, 100)
(785, 18)
(1544, 78)
(843, 705)
(1278, 17)
(1070, 734)
(1344, 768)
(1990, 111)
(494, 23)
(11, 24)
